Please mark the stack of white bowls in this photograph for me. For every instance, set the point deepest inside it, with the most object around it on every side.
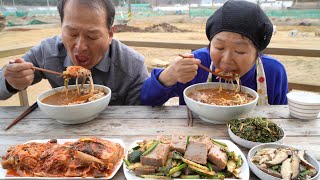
(304, 105)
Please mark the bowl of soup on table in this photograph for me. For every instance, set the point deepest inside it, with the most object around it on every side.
(218, 103)
(76, 103)
(71, 108)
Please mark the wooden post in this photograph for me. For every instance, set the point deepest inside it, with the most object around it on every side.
(23, 97)
(129, 10)
(189, 8)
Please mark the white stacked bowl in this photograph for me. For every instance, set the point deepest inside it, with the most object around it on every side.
(304, 105)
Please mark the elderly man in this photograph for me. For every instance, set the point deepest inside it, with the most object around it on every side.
(87, 41)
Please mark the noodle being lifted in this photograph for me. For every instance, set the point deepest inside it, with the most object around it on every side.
(80, 94)
(77, 72)
(224, 97)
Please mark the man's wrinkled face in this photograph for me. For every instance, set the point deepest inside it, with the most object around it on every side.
(85, 34)
(232, 52)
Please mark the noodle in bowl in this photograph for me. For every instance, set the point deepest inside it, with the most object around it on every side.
(219, 114)
(74, 113)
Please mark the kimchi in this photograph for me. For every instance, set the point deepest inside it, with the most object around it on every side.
(87, 157)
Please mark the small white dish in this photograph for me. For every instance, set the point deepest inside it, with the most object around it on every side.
(245, 172)
(249, 144)
(264, 176)
(62, 141)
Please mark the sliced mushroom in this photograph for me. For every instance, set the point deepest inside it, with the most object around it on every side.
(266, 151)
(86, 157)
(271, 156)
(264, 159)
(295, 165)
(286, 171)
(256, 158)
(269, 171)
(279, 158)
(304, 161)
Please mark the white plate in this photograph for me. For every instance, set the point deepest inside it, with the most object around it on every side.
(62, 141)
(245, 173)
(264, 176)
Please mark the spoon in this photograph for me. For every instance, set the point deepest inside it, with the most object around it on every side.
(212, 72)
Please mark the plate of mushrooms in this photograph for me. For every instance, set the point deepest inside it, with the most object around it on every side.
(276, 161)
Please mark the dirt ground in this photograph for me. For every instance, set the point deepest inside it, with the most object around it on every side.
(299, 69)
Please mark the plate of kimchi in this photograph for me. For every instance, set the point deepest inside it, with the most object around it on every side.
(87, 157)
(185, 157)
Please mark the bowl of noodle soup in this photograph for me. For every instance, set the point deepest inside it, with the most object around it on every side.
(219, 107)
(62, 106)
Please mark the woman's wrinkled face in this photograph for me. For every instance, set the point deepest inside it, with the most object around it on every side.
(232, 52)
(85, 34)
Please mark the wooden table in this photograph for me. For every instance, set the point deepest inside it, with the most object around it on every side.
(136, 122)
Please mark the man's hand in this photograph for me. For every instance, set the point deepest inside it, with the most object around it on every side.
(180, 70)
(18, 73)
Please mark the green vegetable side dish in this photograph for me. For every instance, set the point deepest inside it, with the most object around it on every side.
(168, 158)
(256, 129)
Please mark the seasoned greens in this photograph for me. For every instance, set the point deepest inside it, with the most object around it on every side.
(256, 129)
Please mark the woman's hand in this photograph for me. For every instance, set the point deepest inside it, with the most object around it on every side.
(18, 73)
(180, 70)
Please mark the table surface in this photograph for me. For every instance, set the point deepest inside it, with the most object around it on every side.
(131, 123)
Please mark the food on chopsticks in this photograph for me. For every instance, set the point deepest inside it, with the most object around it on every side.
(77, 72)
(224, 97)
(220, 96)
(284, 163)
(236, 77)
(87, 157)
(183, 157)
(80, 94)
(256, 129)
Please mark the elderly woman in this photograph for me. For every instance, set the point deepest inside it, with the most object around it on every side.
(238, 32)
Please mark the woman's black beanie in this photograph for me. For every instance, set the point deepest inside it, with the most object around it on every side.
(241, 17)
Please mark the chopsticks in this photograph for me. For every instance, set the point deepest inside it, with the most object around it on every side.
(210, 71)
(24, 114)
(41, 69)
(190, 118)
(46, 70)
